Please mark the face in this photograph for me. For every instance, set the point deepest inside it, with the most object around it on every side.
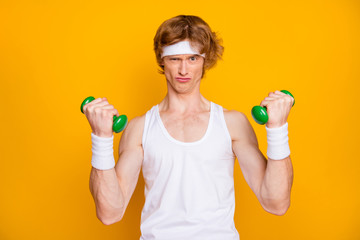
(183, 72)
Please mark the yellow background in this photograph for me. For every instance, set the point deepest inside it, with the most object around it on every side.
(53, 54)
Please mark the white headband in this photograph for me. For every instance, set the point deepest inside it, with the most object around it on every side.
(179, 48)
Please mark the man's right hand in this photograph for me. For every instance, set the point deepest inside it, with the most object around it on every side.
(100, 116)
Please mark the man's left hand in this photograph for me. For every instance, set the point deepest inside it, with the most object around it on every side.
(278, 106)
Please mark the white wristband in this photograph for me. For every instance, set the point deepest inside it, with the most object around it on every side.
(102, 152)
(278, 142)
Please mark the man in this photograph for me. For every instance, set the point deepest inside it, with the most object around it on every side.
(186, 147)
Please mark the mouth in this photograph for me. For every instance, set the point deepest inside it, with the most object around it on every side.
(183, 79)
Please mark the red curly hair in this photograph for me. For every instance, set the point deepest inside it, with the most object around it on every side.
(194, 29)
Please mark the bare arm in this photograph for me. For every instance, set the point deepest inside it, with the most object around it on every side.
(270, 180)
(112, 189)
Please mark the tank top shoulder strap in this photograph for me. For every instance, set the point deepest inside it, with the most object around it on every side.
(149, 118)
(219, 113)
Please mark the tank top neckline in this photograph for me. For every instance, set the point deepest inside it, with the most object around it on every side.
(167, 134)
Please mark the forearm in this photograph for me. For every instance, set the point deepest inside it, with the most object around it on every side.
(276, 186)
(107, 194)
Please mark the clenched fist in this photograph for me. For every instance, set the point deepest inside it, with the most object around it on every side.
(278, 106)
(100, 116)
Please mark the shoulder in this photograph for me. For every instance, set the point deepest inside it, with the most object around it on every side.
(238, 125)
(137, 124)
(235, 119)
(232, 116)
(133, 131)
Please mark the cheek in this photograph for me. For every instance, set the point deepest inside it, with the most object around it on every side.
(169, 72)
(198, 70)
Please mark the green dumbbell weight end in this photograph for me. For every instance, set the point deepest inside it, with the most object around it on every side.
(259, 113)
(120, 122)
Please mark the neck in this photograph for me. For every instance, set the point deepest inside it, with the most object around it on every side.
(184, 102)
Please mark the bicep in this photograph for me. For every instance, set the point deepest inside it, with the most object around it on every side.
(130, 158)
(245, 146)
(252, 164)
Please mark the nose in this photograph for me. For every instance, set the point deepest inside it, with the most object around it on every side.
(183, 68)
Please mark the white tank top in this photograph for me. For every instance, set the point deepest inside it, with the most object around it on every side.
(189, 186)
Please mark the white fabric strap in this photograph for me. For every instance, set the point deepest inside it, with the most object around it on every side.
(183, 47)
(102, 152)
(278, 142)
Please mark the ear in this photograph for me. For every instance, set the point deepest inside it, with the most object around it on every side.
(162, 63)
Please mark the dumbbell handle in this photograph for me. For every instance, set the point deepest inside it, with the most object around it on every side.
(260, 114)
(119, 123)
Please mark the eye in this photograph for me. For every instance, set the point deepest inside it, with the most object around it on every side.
(193, 58)
(174, 59)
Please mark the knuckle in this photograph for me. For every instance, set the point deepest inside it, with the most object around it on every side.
(97, 110)
(104, 112)
(89, 108)
(107, 112)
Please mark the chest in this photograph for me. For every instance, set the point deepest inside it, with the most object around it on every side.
(186, 128)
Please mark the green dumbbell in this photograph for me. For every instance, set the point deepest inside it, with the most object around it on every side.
(259, 113)
(120, 122)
